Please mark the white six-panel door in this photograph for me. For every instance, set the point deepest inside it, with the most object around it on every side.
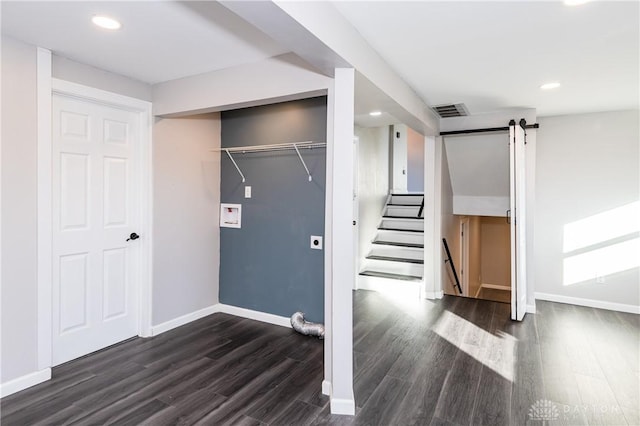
(95, 210)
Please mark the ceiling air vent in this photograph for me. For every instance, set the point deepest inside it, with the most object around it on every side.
(451, 110)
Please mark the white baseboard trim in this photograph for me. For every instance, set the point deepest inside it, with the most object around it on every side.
(431, 295)
(495, 286)
(345, 407)
(531, 309)
(23, 382)
(326, 387)
(611, 306)
(220, 307)
(254, 315)
(184, 319)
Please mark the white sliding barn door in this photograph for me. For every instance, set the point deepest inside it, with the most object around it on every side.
(517, 169)
(95, 209)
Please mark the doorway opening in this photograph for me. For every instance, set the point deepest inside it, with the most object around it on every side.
(482, 257)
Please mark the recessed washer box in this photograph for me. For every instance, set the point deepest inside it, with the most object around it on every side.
(230, 215)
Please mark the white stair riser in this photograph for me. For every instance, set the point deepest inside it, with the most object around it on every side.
(395, 251)
(402, 268)
(401, 237)
(406, 199)
(414, 225)
(408, 289)
(402, 211)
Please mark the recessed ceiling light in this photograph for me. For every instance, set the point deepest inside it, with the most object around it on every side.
(375, 113)
(106, 22)
(549, 86)
(575, 2)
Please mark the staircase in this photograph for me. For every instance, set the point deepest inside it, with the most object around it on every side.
(395, 261)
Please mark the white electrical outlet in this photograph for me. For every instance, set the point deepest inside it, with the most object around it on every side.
(599, 279)
(247, 192)
(316, 242)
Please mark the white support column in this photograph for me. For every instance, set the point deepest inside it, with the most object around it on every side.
(341, 107)
(44, 208)
(429, 218)
(437, 208)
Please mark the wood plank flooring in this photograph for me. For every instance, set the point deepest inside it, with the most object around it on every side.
(494, 294)
(455, 361)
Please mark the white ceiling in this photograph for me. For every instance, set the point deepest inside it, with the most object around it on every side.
(489, 55)
(159, 40)
(495, 55)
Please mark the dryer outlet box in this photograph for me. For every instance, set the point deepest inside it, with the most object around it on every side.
(316, 242)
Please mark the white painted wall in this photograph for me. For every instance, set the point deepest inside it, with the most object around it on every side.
(69, 70)
(415, 161)
(449, 226)
(479, 167)
(278, 79)
(186, 199)
(373, 184)
(399, 159)
(19, 214)
(479, 163)
(587, 165)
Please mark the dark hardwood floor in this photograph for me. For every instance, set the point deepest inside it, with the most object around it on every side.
(456, 361)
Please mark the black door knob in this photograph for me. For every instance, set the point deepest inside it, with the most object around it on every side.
(133, 236)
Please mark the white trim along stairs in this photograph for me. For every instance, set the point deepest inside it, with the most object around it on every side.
(395, 263)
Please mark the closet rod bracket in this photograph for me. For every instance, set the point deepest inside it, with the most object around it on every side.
(235, 164)
(302, 161)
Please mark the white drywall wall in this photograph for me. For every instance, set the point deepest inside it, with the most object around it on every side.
(479, 162)
(186, 202)
(449, 224)
(373, 184)
(479, 167)
(69, 70)
(19, 210)
(587, 180)
(415, 161)
(278, 79)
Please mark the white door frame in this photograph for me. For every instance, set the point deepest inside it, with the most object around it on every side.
(47, 86)
(356, 209)
(464, 255)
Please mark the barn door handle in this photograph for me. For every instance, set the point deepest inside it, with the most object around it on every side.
(509, 216)
(133, 236)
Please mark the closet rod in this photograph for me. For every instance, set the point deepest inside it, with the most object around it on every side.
(273, 147)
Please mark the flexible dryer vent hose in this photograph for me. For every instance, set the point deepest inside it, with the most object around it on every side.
(305, 327)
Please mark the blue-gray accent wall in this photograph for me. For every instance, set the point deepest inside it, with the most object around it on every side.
(268, 265)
